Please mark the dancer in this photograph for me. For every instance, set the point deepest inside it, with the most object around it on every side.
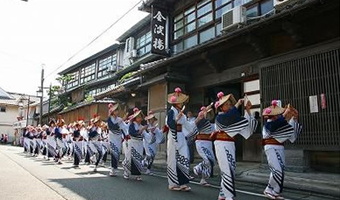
(134, 155)
(117, 128)
(229, 123)
(281, 125)
(94, 138)
(178, 152)
(204, 147)
(77, 144)
(151, 143)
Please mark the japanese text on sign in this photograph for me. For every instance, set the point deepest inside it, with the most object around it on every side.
(158, 30)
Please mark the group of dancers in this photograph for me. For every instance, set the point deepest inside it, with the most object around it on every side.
(137, 134)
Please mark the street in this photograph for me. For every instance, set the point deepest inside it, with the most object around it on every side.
(25, 177)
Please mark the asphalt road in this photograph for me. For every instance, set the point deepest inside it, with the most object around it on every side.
(25, 177)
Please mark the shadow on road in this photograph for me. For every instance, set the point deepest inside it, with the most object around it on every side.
(117, 188)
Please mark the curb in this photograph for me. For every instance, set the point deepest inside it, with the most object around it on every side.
(293, 183)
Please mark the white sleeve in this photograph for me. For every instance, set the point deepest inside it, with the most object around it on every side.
(159, 136)
(252, 124)
(123, 126)
(297, 129)
(149, 137)
(189, 127)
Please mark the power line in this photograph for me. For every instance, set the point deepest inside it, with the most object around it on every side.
(101, 34)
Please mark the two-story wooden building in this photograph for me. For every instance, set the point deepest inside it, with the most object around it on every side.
(267, 49)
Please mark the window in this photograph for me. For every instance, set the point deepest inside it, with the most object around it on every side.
(105, 63)
(2, 109)
(219, 3)
(219, 29)
(87, 73)
(177, 48)
(207, 34)
(95, 91)
(190, 42)
(100, 89)
(202, 21)
(143, 44)
(266, 6)
(252, 12)
(221, 10)
(74, 81)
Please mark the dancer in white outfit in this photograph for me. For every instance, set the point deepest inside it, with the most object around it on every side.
(229, 123)
(281, 125)
(177, 148)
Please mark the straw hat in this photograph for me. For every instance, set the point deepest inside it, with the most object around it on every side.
(96, 119)
(103, 124)
(112, 107)
(177, 97)
(222, 99)
(273, 110)
(60, 121)
(136, 112)
(151, 115)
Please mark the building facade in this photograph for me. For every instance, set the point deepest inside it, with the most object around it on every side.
(265, 49)
(14, 112)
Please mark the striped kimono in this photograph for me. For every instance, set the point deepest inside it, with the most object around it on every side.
(105, 145)
(77, 147)
(51, 143)
(43, 148)
(275, 133)
(134, 155)
(27, 142)
(150, 144)
(117, 128)
(94, 144)
(84, 133)
(177, 148)
(204, 147)
(61, 146)
(228, 125)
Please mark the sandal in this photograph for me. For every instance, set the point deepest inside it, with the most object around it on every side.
(279, 197)
(269, 195)
(126, 176)
(174, 188)
(205, 184)
(185, 188)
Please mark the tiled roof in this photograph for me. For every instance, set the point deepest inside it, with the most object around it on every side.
(4, 94)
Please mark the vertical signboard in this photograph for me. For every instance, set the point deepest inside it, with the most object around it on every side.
(158, 30)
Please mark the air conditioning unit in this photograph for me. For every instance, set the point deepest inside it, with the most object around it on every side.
(112, 68)
(129, 47)
(234, 18)
(280, 5)
(134, 53)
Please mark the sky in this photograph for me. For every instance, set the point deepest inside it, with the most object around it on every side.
(46, 33)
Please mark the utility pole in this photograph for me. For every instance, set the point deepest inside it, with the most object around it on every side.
(42, 95)
(28, 110)
(49, 103)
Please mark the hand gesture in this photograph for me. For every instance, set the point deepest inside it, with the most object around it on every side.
(248, 106)
(239, 102)
(179, 116)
